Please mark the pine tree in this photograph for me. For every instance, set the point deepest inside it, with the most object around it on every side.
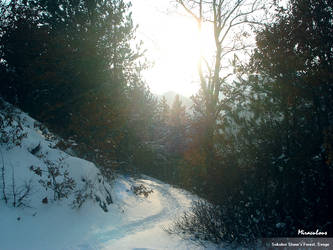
(163, 111)
(177, 113)
(71, 64)
(293, 86)
(177, 123)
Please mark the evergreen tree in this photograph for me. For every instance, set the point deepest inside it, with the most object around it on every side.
(272, 145)
(293, 89)
(71, 64)
(163, 111)
(177, 113)
(177, 123)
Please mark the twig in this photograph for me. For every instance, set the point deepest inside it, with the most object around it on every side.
(3, 178)
(24, 195)
(13, 188)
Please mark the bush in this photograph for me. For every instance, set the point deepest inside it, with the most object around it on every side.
(83, 194)
(57, 180)
(11, 130)
(93, 190)
(141, 190)
(18, 195)
(215, 223)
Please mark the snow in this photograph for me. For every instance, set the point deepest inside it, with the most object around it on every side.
(132, 221)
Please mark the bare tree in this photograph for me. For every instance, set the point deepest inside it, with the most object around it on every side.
(229, 20)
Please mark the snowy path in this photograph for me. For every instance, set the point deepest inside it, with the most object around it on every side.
(132, 223)
(150, 221)
(145, 223)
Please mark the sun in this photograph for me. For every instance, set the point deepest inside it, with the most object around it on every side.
(176, 59)
(173, 42)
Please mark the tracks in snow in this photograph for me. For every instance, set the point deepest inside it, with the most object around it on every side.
(171, 201)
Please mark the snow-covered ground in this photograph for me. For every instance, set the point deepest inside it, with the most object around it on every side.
(131, 221)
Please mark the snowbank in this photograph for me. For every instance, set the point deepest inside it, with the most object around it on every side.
(30, 160)
(46, 220)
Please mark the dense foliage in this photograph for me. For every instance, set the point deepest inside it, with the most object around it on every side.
(72, 65)
(260, 151)
(272, 160)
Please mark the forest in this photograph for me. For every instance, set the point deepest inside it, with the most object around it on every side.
(257, 144)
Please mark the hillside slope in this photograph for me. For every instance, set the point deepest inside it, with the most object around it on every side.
(52, 200)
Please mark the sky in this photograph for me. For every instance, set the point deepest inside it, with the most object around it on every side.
(172, 44)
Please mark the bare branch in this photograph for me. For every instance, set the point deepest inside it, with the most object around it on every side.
(201, 75)
(225, 77)
(231, 13)
(247, 22)
(3, 179)
(225, 101)
(224, 17)
(209, 68)
(188, 10)
(230, 50)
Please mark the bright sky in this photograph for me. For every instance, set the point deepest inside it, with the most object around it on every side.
(172, 43)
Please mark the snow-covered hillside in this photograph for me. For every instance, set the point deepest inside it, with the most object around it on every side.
(52, 200)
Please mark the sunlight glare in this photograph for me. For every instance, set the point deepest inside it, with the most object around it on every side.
(173, 42)
(178, 58)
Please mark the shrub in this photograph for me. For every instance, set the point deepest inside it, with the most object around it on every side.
(141, 190)
(58, 181)
(18, 196)
(93, 190)
(218, 224)
(11, 130)
(83, 194)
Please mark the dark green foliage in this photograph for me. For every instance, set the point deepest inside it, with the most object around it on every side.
(297, 80)
(262, 156)
(141, 190)
(71, 64)
(11, 129)
(293, 64)
(272, 170)
(58, 53)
